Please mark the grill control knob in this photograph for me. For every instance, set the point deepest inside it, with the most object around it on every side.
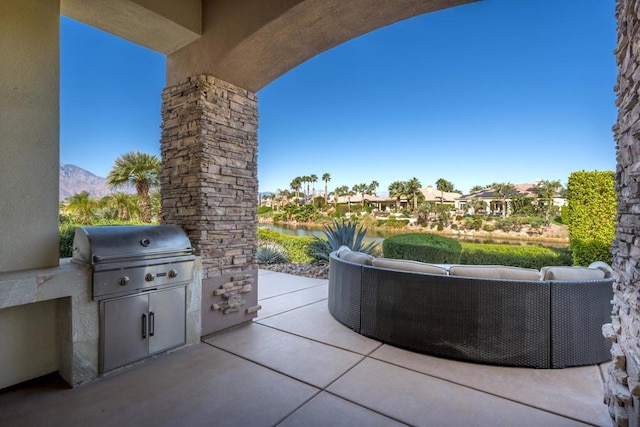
(173, 273)
(149, 277)
(124, 281)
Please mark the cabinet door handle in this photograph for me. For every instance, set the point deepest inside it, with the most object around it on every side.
(144, 326)
(152, 324)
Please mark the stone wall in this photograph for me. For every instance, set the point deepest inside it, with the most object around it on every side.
(209, 186)
(622, 391)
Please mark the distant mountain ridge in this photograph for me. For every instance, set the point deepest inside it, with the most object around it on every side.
(74, 179)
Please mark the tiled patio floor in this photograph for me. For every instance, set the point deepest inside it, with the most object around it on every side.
(297, 366)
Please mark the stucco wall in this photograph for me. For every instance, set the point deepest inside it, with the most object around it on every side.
(29, 339)
(29, 133)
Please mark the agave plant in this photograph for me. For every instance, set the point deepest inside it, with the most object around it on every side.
(342, 234)
(271, 254)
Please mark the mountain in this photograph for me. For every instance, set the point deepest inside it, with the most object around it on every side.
(74, 179)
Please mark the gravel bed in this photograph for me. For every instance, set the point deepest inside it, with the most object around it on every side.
(316, 271)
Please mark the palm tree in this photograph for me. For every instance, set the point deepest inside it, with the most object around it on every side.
(413, 188)
(371, 189)
(349, 194)
(82, 205)
(477, 188)
(477, 205)
(306, 179)
(126, 204)
(326, 178)
(313, 179)
(443, 185)
(503, 190)
(360, 188)
(295, 185)
(141, 170)
(343, 190)
(546, 191)
(397, 189)
(156, 202)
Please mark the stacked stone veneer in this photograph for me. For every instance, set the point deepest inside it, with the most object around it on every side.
(209, 186)
(622, 391)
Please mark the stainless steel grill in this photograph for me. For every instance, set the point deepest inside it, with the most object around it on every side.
(140, 278)
(129, 259)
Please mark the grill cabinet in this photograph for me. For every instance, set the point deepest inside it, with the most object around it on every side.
(140, 275)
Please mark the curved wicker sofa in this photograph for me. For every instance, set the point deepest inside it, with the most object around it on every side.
(539, 324)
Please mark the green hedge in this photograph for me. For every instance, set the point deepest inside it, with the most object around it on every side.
(422, 247)
(590, 216)
(297, 248)
(527, 256)
(438, 249)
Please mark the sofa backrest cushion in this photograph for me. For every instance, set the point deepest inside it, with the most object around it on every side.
(342, 249)
(408, 265)
(494, 272)
(608, 271)
(571, 273)
(356, 257)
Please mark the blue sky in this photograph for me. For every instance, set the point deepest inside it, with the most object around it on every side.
(495, 91)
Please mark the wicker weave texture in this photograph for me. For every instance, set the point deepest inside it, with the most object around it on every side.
(489, 321)
(345, 279)
(577, 316)
(539, 324)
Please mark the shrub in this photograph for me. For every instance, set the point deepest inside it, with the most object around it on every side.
(527, 256)
(564, 215)
(590, 216)
(342, 234)
(262, 210)
(489, 227)
(472, 223)
(393, 223)
(422, 247)
(296, 247)
(536, 222)
(271, 253)
(67, 231)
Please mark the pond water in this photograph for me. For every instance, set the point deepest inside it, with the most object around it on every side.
(380, 235)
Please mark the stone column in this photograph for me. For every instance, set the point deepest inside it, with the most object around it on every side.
(29, 133)
(622, 391)
(209, 186)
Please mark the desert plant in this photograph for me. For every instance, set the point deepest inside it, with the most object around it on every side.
(339, 234)
(271, 253)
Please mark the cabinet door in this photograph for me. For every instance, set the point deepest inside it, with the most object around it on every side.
(125, 331)
(167, 314)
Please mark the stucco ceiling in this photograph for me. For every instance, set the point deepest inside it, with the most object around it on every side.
(246, 42)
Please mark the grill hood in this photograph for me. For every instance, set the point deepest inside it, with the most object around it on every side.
(110, 244)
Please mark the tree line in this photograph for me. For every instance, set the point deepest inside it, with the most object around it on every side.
(139, 169)
(505, 192)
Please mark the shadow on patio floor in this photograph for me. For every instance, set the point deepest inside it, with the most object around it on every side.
(295, 365)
